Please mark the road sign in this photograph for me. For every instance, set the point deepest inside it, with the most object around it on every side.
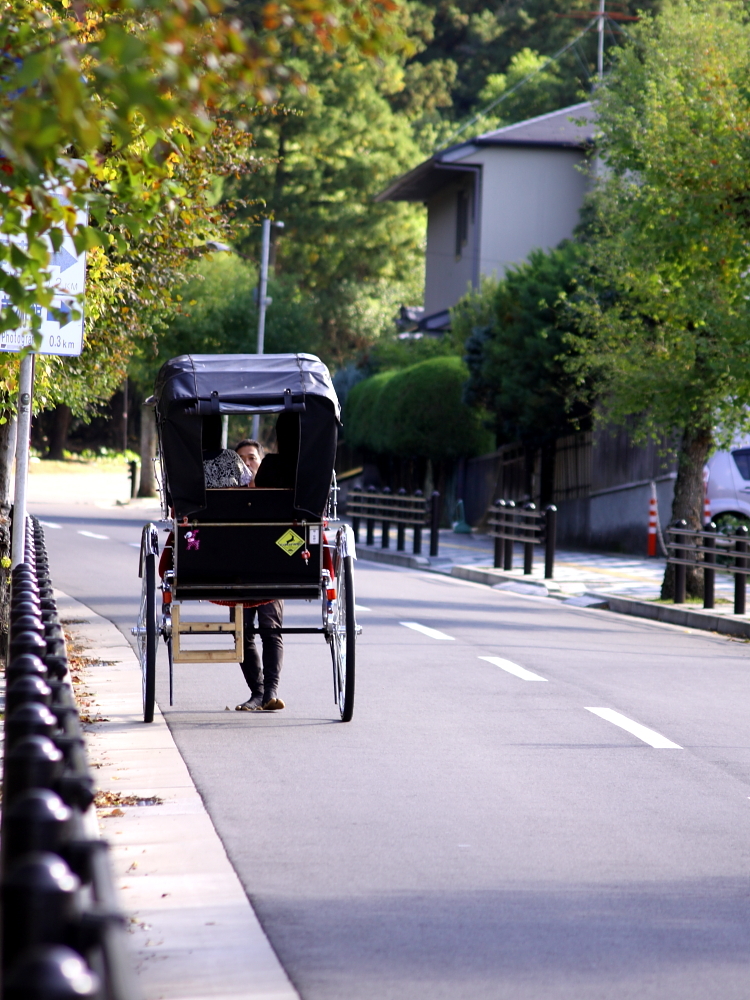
(64, 336)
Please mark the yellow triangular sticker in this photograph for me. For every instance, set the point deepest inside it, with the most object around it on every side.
(290, 542)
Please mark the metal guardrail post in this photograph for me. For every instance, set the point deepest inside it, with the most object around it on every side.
(417, 541)
(709, 561)
(497, 561)
(740, 579)
(355, 529)
(434, 522)
(528, 545)
(370, 521)
(401, 527)
(385, 536)
(510, 508)
(680, 572)
(550, 538)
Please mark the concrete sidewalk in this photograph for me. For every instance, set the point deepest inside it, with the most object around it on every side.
(195, 936)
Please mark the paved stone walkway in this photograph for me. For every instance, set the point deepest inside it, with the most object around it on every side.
(575, 572)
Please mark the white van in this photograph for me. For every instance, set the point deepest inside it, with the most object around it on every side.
(728, 483)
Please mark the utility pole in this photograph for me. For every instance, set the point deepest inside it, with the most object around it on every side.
(600, 49)
(263, 300)
(23, 434)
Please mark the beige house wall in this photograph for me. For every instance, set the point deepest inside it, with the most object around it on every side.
(530, 198)
(446, 277)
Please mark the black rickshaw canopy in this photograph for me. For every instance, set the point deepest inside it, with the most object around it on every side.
(195, 386)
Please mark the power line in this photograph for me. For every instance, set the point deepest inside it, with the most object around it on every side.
(517, 86)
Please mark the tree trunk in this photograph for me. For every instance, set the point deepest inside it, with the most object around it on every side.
(7, 451)
(688, 500)
(58, 438)
(147, 487)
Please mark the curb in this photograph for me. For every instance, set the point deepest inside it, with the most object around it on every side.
(492, 577)
(194, 933)
(675, 614)
(393, 558)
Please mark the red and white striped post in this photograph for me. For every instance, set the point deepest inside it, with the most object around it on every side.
(652, 515)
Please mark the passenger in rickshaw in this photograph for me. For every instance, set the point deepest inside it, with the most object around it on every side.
(222, 467)
(275, 471)
(251, 453)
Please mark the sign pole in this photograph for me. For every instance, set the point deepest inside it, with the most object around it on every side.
(23, 437)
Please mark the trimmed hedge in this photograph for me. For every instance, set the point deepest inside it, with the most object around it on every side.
(416, 412)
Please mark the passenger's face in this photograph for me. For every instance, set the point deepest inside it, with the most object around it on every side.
(249, 455)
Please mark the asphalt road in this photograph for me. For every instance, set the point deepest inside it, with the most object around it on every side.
(472, 833)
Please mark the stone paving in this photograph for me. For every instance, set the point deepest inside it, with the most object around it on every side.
(575, 572)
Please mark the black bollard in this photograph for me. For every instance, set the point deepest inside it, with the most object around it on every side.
(550, 539)
(25, 623)
(25, 689)
(528, 545)
(370, 521)
(417, 540)
(41, 892)
(740, 579)
(510, 508)
(27, 642)
(499, 543)
(385, 534)
(21, 666)
(29, 719)
(434, 523)
(709, 561)
(51, 972)
(401, 527)
(680, 572)
(34, 762)
(37, 820)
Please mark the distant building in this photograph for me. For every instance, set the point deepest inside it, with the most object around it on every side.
(493, 199)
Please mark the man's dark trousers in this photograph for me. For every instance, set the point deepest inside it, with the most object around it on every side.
(263, 681)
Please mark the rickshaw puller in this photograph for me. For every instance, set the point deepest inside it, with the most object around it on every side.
(263, 680)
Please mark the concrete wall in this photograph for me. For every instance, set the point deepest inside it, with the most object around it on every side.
(447, 277)
(615, 520)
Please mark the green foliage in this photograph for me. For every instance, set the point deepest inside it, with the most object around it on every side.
(517, 348)
(324, 159)
(416, 412)
(473, 43)
(666, 326)
(108, 107)
(217, 314)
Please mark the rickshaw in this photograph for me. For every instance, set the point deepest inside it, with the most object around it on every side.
(233, 546)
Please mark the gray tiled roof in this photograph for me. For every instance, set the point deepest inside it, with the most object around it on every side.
(554, 129)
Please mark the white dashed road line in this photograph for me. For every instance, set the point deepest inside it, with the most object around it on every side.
(50, 524)
(513, 668)
(653, 739)
(92, 534)
(360, 607)
(432, 632)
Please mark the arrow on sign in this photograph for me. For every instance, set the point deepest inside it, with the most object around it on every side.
(65, 308)
(63, 259)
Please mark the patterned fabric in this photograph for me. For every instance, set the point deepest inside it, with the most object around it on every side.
(227, 469)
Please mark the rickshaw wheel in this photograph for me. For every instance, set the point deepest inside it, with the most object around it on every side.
(146, 629)
(343, 639)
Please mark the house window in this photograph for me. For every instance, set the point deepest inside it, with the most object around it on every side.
(462, 222)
